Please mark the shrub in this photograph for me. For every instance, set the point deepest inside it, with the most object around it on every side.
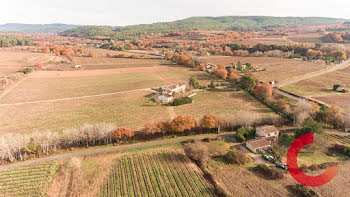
(236, 157)
(301, 190)
(196, 151)
(269, 172)
(244, 133)
(182, 101)
(26, 71)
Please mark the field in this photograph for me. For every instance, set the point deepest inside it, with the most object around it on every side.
(334, 138)
(162, 174)
(118, 93)
(14, 60)
(27, 181)
(277, 69)
(321, 85)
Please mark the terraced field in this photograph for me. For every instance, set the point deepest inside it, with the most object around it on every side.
(27, 181)
(337, 138)
(162, 174)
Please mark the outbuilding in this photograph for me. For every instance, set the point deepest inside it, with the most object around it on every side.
(258, 145)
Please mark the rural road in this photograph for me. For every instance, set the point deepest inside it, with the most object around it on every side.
(314, 74)
(75, 98)
(110, 149)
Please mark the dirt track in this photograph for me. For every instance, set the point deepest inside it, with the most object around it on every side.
(103, 72)
(108, 149)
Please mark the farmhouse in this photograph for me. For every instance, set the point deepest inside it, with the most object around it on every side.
(77, 66)
(258, 145)
(168, 92)
(210, 68)
(268, 131)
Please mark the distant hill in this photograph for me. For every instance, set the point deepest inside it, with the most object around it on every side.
(37, 28)
(202, 23)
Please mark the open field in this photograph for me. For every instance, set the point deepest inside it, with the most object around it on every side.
(306, 38)
(277, 69)
(27, 181)
(61, 84)
(163, 174)
(130, 109)
(342, 101)
(321, 85)
(12, 61)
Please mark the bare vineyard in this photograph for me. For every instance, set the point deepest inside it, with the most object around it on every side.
(342, 139)
(163, 174)
(27, 181)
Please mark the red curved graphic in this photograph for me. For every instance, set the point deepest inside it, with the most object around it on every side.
(297, 174)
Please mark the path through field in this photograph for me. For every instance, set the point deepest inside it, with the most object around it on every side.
(314, 74)
(111, 149)
(75, 98)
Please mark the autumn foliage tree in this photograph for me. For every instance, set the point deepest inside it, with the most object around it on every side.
(122, 133)
(168, 55)
(209, 121)
(263, 91)
(222, 73)
(92, 54)
(182, 123)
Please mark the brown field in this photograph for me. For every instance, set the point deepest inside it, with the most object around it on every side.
(306, 38)
(89, 63)
(277, 69)
(12, 61)
(321, 85)
(268, 40)
(342, 101)
(132, 108)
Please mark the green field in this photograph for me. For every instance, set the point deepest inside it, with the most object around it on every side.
(27, 181)
(163, 174)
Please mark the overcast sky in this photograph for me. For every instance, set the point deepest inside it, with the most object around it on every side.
(127, 12)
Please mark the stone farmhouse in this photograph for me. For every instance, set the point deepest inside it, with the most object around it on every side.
(168, 92)
(265, 136)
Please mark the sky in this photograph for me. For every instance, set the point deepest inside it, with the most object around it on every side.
(129, 12)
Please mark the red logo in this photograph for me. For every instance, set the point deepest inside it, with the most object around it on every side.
(297, 174)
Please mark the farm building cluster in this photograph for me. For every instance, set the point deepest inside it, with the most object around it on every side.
(168, 93)
(265, 136)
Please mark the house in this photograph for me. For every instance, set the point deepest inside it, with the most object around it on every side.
(258, 145)
(77, 66)
(210, 68)
(168, 92)
(268, 131)
(177, 88)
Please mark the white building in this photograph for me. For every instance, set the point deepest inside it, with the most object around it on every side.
(268, 131)
(168, 92)
(177, 88)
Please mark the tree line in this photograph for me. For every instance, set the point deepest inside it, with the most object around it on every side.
(18, 147)
(11, 41)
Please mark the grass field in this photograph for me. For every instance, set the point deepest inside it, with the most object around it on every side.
(321, 85)
(12, 61)
(27, 181)
(130, 109)
(163, 174)
(277, 69)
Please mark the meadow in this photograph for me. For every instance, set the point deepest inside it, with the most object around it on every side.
(277, 69)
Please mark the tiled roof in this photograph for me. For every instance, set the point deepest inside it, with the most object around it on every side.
(268, 129)
(259, 143)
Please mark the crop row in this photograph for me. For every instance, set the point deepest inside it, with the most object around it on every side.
(163, 174)
(338, 138)
(27, 181)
